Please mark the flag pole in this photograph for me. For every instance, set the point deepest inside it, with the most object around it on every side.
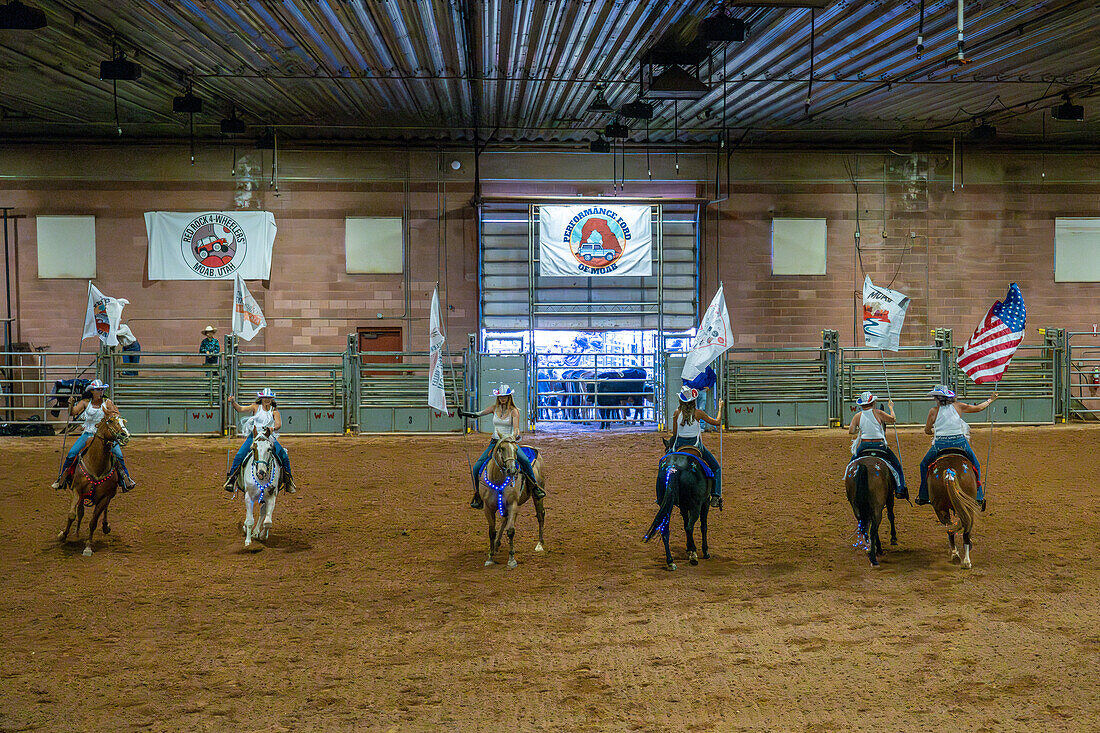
(890, 398)
(720, 385)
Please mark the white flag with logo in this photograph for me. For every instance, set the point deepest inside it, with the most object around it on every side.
(210, 245)
(713, 338)
(883, 315)
(247, 317)
(104, 316)
(437, 394)
(595, 241)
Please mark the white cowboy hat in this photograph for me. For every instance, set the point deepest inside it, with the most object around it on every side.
(865, 399)
(503, 390)
(266, 392)
(97, 384)
(209, 329)
(688, 394)
(942, 390)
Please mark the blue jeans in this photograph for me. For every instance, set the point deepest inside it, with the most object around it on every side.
(524, 464)
(242, 453)
(131, 355)
(116, 451)
(951, 441)
(883, 445)
(708, 457)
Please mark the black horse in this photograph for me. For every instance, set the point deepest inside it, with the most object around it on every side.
(682, 481)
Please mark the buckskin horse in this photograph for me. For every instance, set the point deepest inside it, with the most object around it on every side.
(259, 479)
(503, 488)
(953, 487)
(682, 481)
(95, 478)
(869, 483)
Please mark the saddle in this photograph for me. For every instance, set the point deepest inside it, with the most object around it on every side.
(695, 455)
(952, 452)
(873, 452)
(529, 453)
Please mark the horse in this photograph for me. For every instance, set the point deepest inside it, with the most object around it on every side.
(953, 487)
(259, 479)
(682, 481)
(869, 484)
(503, 488)
(95, 478)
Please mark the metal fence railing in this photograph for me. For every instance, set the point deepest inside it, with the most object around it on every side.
(36, 387)
(601, 389)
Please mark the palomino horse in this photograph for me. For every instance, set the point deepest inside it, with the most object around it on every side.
(503, 488)
(682, 481)
(259, 480)
(953, 487)
(95, 477)
(870, 487)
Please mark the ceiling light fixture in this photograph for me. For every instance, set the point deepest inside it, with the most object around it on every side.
(15, 16)
(1067, 111)
(599, 104)
(616, 129)
(676, 83)
(231, 125)
(637, 110)
(599, 145)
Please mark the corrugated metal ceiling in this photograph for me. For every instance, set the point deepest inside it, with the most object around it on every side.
(398, 70)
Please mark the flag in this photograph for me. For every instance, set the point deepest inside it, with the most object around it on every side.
(437, 395)
(711, 341)
(985, 356)
(248, 319)
(104, 316)
(883, 315)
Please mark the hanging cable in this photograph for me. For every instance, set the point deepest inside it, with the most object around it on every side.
(676, 134)
(920, 31)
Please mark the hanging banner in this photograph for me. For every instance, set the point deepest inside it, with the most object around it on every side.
(211, 245)
(595, 241)
(883, 315)
(103, 317)
(437, 394)
(248, 319)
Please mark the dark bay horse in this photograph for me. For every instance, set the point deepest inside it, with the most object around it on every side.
(95, 477)
(682, 482)
(953, 487)
(503, 488)
(870, 487)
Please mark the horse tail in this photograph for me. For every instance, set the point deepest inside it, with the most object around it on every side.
(966, 507)
(672, 490)
(863, 499)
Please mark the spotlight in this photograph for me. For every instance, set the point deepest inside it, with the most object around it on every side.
(233, 126)
(1067, 111)
(15, 16)
(266, 141)
(456, 164)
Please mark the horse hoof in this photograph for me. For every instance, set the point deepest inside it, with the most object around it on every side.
(87, 552)
(671, 566)
(512, 563)
(894, 542)
(875, 566)
(966, 565)
(706, 555)
(489, 562)
(61, 536)
(539, 548)
(106, 529)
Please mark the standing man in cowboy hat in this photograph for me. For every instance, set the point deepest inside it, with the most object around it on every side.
(949, 430)
(209, 345)
(506, 422)
(91, 410)
(869, 424)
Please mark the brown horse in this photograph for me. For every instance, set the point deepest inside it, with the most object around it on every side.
(953, 487)
(95, 477)
(869, 484)
(503, 488)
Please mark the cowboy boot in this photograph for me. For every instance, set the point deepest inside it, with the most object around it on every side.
(477, 503)
(231, 481)
(290, 486)
(716, 502)
(902, 493)
(127, 483)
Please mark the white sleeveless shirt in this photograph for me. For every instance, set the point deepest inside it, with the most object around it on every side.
(262, 419)
(949, 423)
(502, 426)
(869, 426)
(692, 430)
(91, 417)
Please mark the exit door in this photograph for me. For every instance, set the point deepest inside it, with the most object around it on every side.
(380, 339)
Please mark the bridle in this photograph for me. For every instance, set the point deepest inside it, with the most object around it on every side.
(496, 460)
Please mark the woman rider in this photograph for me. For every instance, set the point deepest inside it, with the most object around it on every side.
(265, 414)
(687, 430)
(92, 411)
(506, 422)
(949, 430)
(868, 424)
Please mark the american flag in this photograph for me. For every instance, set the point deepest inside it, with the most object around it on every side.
(986, 355)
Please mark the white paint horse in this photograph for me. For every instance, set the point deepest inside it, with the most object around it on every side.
(259, 480)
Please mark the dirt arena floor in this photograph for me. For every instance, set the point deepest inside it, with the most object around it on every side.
(369, 608)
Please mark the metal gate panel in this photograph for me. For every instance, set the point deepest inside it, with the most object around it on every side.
(910, 372)
(393, 392)
(302, 382)
(168, 392)
(570, 394)
(780, 387)
(494, 369)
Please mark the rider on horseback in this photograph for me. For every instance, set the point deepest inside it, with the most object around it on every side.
(506, 422)
(264, 414)
(92, 410)
(687, 430)
(949, 430)
(868, 424)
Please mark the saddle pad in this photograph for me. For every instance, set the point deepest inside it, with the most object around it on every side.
(866, 454)
(529, 452)
(697, 459)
